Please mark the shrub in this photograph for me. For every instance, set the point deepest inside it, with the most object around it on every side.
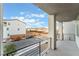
(15, 38)
(9, 48)
(18, 38)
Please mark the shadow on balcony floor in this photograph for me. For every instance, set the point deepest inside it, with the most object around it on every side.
(64, 48)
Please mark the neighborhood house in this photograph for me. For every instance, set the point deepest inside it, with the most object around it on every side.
(13, 30)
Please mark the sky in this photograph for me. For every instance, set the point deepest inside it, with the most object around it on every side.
(29, 13)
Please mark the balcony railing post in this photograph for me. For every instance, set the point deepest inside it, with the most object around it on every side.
(39, 48)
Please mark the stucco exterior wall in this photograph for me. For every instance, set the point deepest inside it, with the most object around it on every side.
(16, 27)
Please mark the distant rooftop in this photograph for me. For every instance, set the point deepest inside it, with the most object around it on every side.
(13, 20)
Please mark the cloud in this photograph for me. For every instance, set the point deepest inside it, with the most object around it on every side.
(38, 15)
(13, 17)
(19, 18)
(30, 22)
(4, 18)
(39, 24)
(39, 9)
(35, 15)
(28, 16)
(34, 22)
(21, 13)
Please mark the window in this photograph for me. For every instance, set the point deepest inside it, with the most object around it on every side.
(8, 34)
(7, 28)
(5, 23)
(8, 23)
(18, 29)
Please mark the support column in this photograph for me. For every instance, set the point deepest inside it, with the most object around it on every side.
(61, 31)
(52, 31)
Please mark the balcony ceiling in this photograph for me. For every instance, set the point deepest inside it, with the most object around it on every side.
(63, 11)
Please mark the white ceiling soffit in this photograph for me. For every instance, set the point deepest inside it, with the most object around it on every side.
(63, 11)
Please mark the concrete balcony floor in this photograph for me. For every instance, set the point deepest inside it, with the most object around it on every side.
(64, 48)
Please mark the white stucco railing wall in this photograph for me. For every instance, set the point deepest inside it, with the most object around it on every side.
(77, 41)
(69, 30)
(76, 37)
(59, 28)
